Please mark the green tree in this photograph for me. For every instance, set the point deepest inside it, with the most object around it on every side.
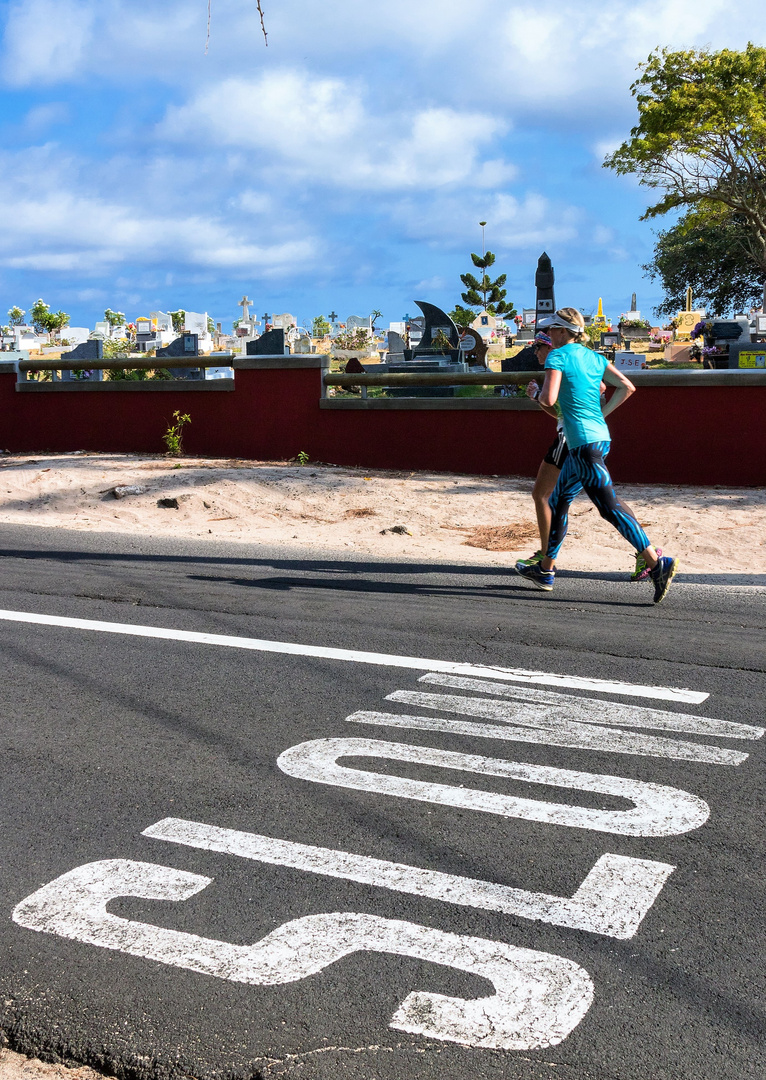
(462, 317)
(488, 294)
(114, 318)
(707, 250)
(374, 316)
(178, 318)
(700, 139)
(58, 320)
(320, 326)
(40, 314)
(16, 316)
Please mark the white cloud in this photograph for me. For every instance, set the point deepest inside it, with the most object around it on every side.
(320, 130)
(513, 224)
(59, 226)
(46, 40)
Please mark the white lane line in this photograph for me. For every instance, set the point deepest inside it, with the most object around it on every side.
(538, 998)
(613, 898)
(601, 686)
(564, 733)
(550, 706)
(658, 810)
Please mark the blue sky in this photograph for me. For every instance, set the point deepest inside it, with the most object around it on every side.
(344, 167)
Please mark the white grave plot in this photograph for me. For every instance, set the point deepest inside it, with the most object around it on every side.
(195, 322)
(283, 322)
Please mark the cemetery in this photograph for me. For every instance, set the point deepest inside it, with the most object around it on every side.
(425, 394)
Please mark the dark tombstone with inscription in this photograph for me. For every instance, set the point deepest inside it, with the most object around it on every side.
(437, 350)
(93, 349)
(545, 303)
(185, 345)
(473, 349)
(270, 343)
(438, 327)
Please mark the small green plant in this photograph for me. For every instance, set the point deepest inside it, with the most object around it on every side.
(303, 458)
(442, 342)
(173, 437)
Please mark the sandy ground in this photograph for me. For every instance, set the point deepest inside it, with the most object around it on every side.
(17, 1067)
(445, 517)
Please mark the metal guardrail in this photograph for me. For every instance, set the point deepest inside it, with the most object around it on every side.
(130, 363)
(435, 378)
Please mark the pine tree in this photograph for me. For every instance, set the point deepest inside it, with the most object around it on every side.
(487, 294)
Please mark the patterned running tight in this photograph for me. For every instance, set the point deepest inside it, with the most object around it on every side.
(584, 469)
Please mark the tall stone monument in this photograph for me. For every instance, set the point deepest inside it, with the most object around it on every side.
(545, 303)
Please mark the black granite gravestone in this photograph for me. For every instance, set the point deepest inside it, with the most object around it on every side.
(436, 320)
(544, 277)
(185, 345)
(93, 349)
(270, 343)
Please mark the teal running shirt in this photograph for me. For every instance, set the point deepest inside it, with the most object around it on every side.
(580, 395)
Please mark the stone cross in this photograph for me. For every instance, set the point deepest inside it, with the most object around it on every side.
(245, 305)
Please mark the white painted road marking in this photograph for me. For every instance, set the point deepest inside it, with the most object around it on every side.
(601, 686)
(658, 810)
(613, 899)
(543, 705)
(549, 733)
(538, 997)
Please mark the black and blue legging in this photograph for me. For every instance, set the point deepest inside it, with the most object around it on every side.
(584, 469)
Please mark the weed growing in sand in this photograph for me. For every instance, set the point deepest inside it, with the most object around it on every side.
(173, 437)
(303, 458)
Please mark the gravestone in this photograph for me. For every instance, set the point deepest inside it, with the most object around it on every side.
(283, 321)
(185, 345)
(195, 322)
(358, 322)
(544, 278)
(687, 319)
(435, 320)
(526, 360)
(272, 343)
(600, 319)
(472, 348)
(93, 349)
(396, 343)
(302, 344)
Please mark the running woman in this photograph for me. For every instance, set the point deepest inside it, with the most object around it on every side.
(573, 376)
(550, 466)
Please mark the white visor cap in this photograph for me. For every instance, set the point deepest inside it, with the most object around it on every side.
(556, 320)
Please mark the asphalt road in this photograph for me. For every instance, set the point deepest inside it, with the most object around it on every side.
(412, 904)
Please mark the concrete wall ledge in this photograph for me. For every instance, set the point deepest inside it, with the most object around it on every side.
(281, 363)
(719, 377)
(80, 386)
(505, 404)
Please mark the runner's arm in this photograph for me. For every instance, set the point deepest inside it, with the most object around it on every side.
(551, 387)
(623, 388)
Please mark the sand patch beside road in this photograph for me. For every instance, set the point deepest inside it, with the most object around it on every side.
(467, 519)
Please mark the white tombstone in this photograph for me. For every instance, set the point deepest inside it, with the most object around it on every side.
(162, 319)
(75, 335)
(358, 322)
(399, 328)
(195, 322)
(104, 328)
(283, 322)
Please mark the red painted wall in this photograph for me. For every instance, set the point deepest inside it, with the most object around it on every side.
(663, 434)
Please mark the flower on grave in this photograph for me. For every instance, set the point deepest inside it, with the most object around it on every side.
(711, 350)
